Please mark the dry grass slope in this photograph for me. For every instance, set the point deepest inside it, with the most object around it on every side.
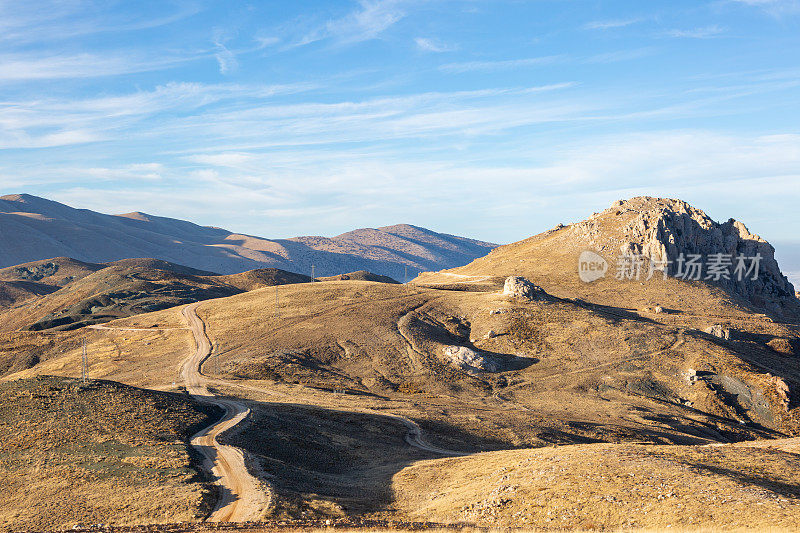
(602, 486)
(104, 453)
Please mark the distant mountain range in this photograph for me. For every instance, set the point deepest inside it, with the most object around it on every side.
(34, 228)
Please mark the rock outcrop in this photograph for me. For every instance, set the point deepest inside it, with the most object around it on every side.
(667, 230)
(718, 331)
(519, 287)
(469, 360)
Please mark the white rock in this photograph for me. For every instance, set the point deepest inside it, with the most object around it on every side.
(519, 287)
(662, 229)
(468, 359)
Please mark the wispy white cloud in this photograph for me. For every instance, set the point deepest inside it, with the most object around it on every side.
(225, 159)
(225, 58)
(611, 24)
(512, 64)
(128, 173)
(36, 66)
(22, 139)
(54, 20)
(705, 32)
(773, 7)
(368, 21)
(507, 64)
(266, 41)
(430, 45)
(58, 122)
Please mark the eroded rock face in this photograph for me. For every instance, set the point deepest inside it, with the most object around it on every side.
(519, 287)
(470, 360)
(662, 229)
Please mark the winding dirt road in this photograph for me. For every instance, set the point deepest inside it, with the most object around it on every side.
(242, 496)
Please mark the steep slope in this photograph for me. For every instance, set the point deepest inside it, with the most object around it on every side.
(14, 292)
(110, 293)
(660, 234)
(158, 264)
(33, 228)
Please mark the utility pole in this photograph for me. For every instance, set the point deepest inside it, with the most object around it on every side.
(312, 273)
(405, 274)
(84, 363)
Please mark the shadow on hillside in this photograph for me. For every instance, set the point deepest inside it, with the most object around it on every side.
(752, 348)
(611, 311)
(771, 484)
(325, 462)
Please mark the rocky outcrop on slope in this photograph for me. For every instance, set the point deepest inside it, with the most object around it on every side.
(669, 232)
(470, 360)
(519, 287)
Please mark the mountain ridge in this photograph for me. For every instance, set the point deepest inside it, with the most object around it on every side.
(34, 228)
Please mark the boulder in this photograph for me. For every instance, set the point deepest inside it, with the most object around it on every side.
(470, 360)
(718, 331)
(519, 287)
(781, 346)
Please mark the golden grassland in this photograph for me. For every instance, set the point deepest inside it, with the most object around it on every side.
(609, 486)
(324, 369)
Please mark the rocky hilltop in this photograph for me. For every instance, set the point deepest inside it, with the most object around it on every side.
(663, 235)
(668, 232)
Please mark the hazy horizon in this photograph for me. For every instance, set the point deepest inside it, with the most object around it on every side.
(786, 253)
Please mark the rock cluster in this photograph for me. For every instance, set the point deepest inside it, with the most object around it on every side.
(470, 360)
(718, 331)
(519, 287)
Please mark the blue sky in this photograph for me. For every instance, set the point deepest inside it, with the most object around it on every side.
(494, 119)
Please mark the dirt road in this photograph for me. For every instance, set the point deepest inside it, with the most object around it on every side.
(243, 497)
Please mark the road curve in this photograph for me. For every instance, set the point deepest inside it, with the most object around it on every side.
(242, 496)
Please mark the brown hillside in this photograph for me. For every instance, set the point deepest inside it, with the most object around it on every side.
(57, 271)
(104, 453)
(361, 275)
